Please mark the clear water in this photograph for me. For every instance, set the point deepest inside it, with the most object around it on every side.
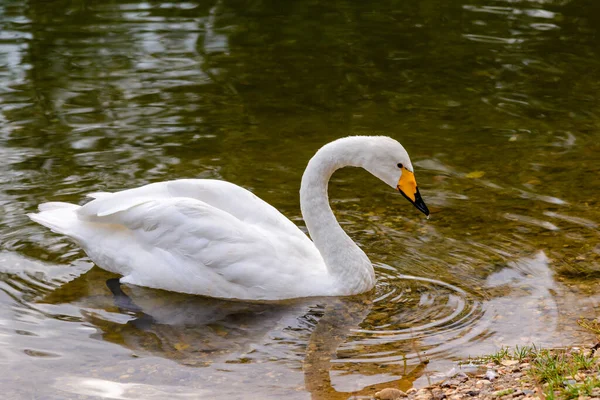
(496, 101)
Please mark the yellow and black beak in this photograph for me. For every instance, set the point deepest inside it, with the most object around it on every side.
(407, 185)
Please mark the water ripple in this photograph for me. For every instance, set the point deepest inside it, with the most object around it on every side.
(426, 311)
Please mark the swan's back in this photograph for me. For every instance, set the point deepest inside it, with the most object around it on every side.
(226, 196)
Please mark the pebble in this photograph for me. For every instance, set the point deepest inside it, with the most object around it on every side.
(482, 382)
(490, 375)
(438, 394)
(457, 380)
(390, 394)
(423, 394)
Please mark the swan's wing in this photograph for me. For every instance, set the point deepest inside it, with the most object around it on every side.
(233, 199)
(187, 245)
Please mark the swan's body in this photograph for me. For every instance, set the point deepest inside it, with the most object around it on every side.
(217, 239)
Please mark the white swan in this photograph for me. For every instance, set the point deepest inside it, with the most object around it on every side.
(214, 238)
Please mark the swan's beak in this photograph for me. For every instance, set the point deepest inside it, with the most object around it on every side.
(407, 185)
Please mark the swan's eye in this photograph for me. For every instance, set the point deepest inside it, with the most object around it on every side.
(400, 165)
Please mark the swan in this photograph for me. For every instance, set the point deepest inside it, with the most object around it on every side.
(214, 238)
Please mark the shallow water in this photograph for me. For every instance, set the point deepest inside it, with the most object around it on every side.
(496, 101)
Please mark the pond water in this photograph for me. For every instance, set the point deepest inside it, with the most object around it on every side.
(496, 101)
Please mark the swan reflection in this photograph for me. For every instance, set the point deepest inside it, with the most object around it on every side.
(202, 332)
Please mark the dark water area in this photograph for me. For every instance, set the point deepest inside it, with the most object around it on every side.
(496, 102)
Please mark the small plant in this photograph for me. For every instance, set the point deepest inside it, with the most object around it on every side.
(550, 368)
(592, 325)
(523, 352)
(500, 355)
(583, 361)
(573, 391)
(550, 393)
(560, 371)
(504, 392)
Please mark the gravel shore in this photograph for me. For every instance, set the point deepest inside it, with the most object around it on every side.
(529, 374)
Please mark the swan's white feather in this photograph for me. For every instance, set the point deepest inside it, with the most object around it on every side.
(195, 236)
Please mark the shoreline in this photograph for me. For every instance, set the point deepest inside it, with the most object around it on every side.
(524, 373)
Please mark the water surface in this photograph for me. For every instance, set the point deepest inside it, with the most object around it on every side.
(496, 101)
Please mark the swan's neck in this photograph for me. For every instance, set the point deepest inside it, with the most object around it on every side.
(347, 263)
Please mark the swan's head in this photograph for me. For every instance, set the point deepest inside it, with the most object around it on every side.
(385, 158)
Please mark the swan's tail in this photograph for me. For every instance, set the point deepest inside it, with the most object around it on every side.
(59, 217)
